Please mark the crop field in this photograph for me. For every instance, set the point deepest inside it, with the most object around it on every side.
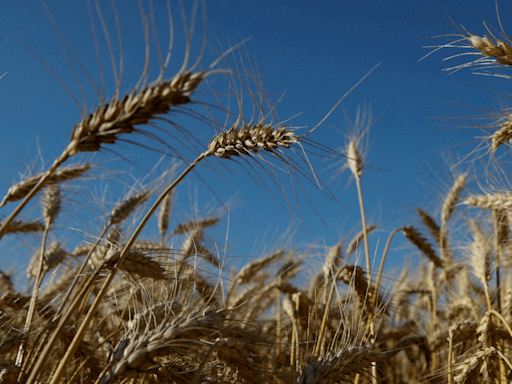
(133, 275)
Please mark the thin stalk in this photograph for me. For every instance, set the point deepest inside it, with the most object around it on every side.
(35, 293)
(197, 375)
(450, 357)
(497, 248)
(62, 321)
(278, 325)
(365, 231)
(369, 274)
(80, 271)
(80, 332)
(321, 334)
(384, 254)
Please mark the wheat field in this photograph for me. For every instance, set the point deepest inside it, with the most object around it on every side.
(128, 289)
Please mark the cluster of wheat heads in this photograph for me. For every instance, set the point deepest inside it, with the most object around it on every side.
(121, 308)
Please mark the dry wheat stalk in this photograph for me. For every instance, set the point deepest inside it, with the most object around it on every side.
(81, 250)
(244, 297)
(6, 283)
(332, 261)
(468, 368)
(354, 277)
(21, 189)
(240, 358)
(355, 161)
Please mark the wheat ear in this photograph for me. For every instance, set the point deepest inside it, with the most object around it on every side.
(446, 213)
(496, 201)
(164, 215)
(480, 258)
(21, 189)
(431, 224)
(423, 245)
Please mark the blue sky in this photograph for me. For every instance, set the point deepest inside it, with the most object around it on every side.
(312, 52)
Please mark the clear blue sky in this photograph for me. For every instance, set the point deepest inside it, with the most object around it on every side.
(312, 50)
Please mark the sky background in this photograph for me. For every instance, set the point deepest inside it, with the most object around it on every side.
(313, 53)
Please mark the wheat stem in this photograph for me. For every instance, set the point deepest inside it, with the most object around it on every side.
(365, 231)
(497, 229)
(33, 300)
(323, 326)
(381, 267)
